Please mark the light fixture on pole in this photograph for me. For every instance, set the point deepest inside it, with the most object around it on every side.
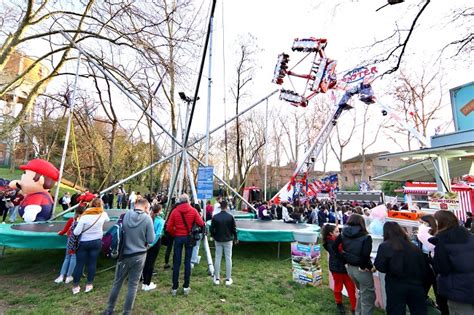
(185, 98)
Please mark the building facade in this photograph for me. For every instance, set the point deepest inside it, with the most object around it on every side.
(351, 174)
(12, 102)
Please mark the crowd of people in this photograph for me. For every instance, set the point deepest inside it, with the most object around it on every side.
(9, 202)
(438, 257)
(144, 232)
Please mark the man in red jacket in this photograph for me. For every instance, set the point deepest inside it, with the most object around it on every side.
(179, 225)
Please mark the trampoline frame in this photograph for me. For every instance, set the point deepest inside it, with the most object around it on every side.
(17, 238)
(272, 233)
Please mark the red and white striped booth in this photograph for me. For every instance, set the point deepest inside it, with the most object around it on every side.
(465, 194)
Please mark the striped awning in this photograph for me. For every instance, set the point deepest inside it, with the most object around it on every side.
(419, 190)
(466, 203)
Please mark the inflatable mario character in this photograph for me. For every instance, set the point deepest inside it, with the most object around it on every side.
(38, 178)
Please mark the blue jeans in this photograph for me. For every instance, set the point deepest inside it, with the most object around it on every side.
(86, 255)
(13, 212)
(119, 201)
(179, 243)
(195, 255)
(68, 265)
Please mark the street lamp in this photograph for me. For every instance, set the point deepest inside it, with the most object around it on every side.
(185, 98)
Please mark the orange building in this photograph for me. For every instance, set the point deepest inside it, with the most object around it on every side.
(11, 102)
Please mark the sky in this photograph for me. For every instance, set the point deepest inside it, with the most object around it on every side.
(348, 27)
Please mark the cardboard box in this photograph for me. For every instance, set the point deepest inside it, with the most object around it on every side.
(305, 262)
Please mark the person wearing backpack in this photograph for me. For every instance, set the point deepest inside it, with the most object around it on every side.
(406, 269)
(138, 234)
(179, 226)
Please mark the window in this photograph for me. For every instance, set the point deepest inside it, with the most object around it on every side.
(345, 178)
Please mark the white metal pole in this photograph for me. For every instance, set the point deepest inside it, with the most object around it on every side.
(72, 102)
(190, 175)
(180, 121)
(125, 180)
(265, 152)
(209, 85)
(226, 184)
(233, 118)
(116, 82)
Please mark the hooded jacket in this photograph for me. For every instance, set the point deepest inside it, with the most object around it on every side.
(139, 232)
(453, 262)
(356, 247)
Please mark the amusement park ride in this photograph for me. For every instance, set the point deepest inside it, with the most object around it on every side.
(321, 78)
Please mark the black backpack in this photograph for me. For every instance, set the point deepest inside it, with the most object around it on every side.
(113, 240)
(194, 235)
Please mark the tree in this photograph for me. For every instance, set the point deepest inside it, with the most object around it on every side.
(244, 72)
(36, 15)
(156, 39)
(342, 142)
(389, 188)
(418, 102)
(366, 142)
(398, 42)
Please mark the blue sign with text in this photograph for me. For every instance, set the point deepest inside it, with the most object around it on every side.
(205, 182)
(462, 102)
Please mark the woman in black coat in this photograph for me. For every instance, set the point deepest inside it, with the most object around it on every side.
(405, 268)
(453, 261)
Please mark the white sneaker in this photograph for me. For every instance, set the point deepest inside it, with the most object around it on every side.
(174, 292)
(229, 282)
(186, 291)
(149, 287)
(217, 281)
(76, 290)
(69, 279)
(89, 288)
(59, 279)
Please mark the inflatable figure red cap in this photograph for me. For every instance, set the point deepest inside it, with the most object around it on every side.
(42, 167)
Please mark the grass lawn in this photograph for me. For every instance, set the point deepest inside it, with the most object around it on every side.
(262, 285)
(7, 174)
